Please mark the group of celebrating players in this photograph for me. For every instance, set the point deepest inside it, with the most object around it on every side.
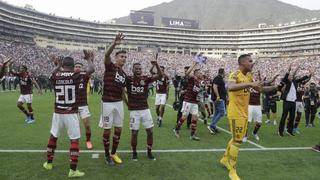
(70, 84)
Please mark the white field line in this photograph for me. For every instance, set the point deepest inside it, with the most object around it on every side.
(226, 131)
(158, 151)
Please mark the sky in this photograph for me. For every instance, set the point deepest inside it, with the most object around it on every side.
(104, 10)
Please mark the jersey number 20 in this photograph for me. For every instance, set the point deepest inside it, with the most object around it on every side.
(65, 94)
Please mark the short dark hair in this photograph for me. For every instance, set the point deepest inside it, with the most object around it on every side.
(242, 57)
(121, 52)
(186, 67)
(162, 67)
(78, 63)
(221, 71)
(136, 64)
(68, 62)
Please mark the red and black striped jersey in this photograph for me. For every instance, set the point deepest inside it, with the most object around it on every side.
(25, 81)
(66, 88)
(82, 101)
(114, 82)
(162, 85)
(137, 89)
(254, 97)
(300, 93)
(193, 88)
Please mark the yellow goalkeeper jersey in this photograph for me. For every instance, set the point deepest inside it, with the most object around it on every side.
(239, 100)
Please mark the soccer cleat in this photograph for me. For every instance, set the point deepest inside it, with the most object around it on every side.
(224, 162)
(280, 134)
(267, 121)
(245, 139)
(195, 138)
(275, 122)
(312, 125)
(233, 174)
(316, 148)
(76, 173)
(296, 131)
(89, 145)
(290, 133)
(150, 156)
(109, 161)
(47, 166)
(176, 133)
(134, 156)
(211, 130)
(256, 136)
(30, 121)
(116, 158)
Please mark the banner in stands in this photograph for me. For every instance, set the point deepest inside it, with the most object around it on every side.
(180, 23)
(142, 18)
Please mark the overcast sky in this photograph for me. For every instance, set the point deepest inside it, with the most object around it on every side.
(108, 9)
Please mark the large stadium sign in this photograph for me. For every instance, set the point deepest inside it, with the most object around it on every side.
(142, 18)
(180, 23)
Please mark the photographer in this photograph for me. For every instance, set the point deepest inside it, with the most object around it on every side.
(311, 100)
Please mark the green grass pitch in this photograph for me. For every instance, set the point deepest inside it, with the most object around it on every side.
(260, 164)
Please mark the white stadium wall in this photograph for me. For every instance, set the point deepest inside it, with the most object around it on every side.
(66, 33)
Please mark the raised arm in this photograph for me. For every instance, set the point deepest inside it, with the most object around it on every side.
(155, 64)
(89, 56)
(37, 85)
(117, 40)
(272, 80)
(305, 79)
(191, 69)
(57, 62)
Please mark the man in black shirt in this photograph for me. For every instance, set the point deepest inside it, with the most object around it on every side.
(311, 100)
(219, 95)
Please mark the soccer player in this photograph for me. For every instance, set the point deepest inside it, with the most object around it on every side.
(137, 90)
(299, 105)
(162, 94)
(66, 82)
(26, 81)
(112, 100)
(239, 83)
(190, 103)
(3, 66)
(255, 110)
(83, 104)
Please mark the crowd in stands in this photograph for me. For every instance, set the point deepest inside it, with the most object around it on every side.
(36, 59)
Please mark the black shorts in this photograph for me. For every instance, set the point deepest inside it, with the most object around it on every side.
(271, 106)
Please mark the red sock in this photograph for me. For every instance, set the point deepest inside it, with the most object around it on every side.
(74, 154)
(115, 140)
(134, 141)
(106, 142)
(149, 140)
(51, 147)
(179, 124)
(88, 136)
(193, 126)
